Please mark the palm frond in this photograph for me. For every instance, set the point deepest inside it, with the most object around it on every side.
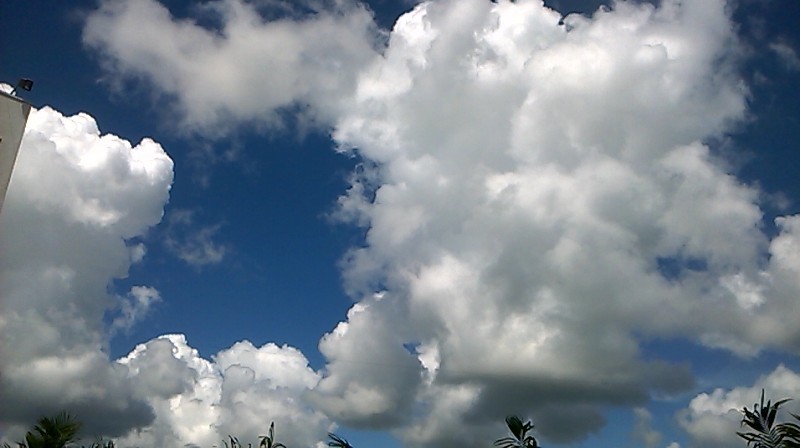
(520, 431)
(338, 442)
(268, 441)
(54, 432)
(761, 420)
(791, 433)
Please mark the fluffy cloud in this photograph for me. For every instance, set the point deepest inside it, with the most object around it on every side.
(198, 402)
(388, 375)
(710, 417)
(546, 193)
(246, 68)
(75, 199)
(541, 193)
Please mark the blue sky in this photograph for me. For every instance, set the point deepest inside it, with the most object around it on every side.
(421, 217)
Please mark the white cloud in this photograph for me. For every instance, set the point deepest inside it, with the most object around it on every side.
(786, 54)
(248, 69)
(372, 381)
(134, 307)
(198, 402)
(541, 193)
(546, 195)
(74, 200)
(643, 431)
(713, 419)
(192, 244)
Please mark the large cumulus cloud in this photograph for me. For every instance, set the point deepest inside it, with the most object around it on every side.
(198, 402)
(76, 204)
(75, 200)
(544, 193)
(541, 194)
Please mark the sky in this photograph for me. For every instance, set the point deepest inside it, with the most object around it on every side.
(402, 221)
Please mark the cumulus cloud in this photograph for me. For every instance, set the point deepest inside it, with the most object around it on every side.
(541, 194)
(387, 374)
(711, 419)
(75, 199)
(246, 68)
(198, 402)
(545, 193)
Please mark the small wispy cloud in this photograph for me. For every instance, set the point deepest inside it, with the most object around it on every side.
(192, 244)
(134, 307)
(643, 430)
(787, 55)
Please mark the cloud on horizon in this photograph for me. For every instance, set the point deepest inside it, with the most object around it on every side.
(709, 416)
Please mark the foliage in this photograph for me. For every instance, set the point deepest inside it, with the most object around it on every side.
(520, 431)
(268, 441)
(338, 442)
(234, 442)
(101, 444)
(56, 432)
(791, 432)
(764, 433)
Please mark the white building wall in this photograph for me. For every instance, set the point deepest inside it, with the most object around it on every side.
(13, 116)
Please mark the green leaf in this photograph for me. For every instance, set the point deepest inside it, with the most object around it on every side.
(338, 442)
